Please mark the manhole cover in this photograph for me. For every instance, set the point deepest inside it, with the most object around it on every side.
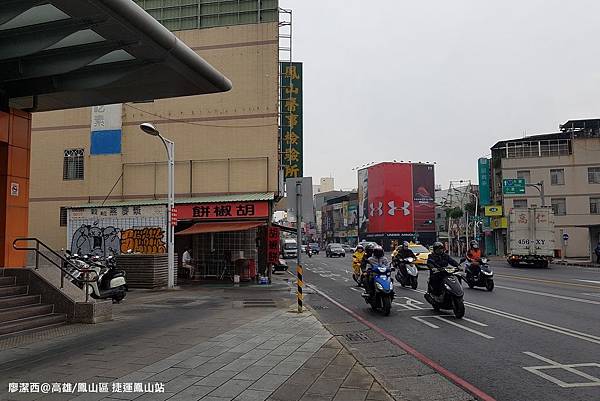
(357, 337)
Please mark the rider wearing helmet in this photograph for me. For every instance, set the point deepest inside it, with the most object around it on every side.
(403, 252)
(357, 259)
(378, 258)
(474, 255)
(438, 259)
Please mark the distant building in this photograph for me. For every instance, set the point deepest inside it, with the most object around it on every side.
(568, 162)
(340, 219)
(327, 184)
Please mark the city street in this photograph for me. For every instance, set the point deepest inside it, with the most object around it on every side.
(535, 337)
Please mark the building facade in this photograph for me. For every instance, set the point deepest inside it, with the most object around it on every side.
(226, 145)
(568, 164)
(339, 219)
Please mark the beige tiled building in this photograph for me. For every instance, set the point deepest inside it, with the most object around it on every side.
(568, 163)
(224, 144)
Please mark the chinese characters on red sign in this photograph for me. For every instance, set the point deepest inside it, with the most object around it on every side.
(273, 245)
(226, 210)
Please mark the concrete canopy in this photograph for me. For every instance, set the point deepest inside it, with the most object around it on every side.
(59, 54)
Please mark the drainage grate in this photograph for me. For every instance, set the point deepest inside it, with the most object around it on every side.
(258, 303)
(357, 337)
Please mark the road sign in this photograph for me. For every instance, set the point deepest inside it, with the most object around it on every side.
(565, 237)
(514, 186)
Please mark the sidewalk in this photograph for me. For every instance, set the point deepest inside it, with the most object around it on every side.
(199, 344)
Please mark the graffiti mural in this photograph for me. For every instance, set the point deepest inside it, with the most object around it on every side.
(143, 240)
(94, 240)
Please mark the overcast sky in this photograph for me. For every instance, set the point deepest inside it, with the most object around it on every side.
(439, 80)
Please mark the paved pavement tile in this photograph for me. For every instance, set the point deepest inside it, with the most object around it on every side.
(252, 395)
(358, 378)
(253, 372)
(231, 389)
(216, 378)
(326, 387)
(347, 394)
(269, 382)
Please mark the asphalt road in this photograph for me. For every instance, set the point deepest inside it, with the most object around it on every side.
(535, 337)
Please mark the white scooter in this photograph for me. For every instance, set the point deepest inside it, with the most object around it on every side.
(111, 282)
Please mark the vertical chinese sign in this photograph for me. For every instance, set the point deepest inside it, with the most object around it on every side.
(273, 245)
(291, 120)
(106, 128)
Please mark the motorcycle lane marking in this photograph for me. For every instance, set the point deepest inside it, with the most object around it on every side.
(442, 318)
(571, 368)
(554, 282)
(454, 378)
(536, 323)
(545, 294)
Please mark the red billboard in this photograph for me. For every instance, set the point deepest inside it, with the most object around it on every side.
(397, 198)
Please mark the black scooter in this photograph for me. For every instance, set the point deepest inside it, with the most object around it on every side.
(449, 292)
(479, 274)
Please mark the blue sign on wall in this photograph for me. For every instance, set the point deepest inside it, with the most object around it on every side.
(106, 142)
(484, 181)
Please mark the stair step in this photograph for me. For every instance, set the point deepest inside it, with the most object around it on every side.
(15, 326)
(19, 300)
(21, 312)
(13, 290)
(7, 281)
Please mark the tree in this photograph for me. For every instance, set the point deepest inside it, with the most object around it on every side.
(470, 208)
(454, 213)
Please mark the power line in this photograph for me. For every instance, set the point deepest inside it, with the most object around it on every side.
(199, 124)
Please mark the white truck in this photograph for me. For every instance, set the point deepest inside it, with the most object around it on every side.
(531, 236)
(289, 248)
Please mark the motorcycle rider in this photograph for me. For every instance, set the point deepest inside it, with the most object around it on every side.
(357, 258)
(378, 258)
(403, 252)
(474, 255)
(436, 260)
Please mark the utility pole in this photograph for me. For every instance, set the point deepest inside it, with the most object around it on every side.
(540, 187)
(299, 271)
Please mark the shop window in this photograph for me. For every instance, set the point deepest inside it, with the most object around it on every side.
(73, 164)
(559, 206)
(557, 176)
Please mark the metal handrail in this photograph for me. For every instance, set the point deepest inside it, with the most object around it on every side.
(85, 273)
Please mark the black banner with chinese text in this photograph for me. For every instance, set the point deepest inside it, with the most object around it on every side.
(291, 120)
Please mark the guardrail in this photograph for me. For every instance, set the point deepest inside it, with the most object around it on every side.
(85, 273)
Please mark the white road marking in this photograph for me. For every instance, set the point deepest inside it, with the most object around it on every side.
(543, 325)
(411, 304)
(571, 368)
(419, 318)
(453, 323)
(590, 281)
(475, 322)
(545, 294)
(591, 294)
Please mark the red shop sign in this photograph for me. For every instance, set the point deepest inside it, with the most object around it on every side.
(225, 210)
(273, 245)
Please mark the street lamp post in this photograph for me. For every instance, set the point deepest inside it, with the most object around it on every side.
(170, 148)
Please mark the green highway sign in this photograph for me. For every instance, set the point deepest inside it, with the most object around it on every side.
(513, 186)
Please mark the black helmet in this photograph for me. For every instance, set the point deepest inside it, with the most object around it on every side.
(369, 248)
(378, 252)
(474, 244)
(405, 245)
(438, 247)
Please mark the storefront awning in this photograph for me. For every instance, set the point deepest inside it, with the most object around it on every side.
(226, 226)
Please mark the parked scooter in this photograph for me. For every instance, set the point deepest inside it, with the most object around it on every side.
(111, 282)
(479, 274)
(383, 289)
(407, 273)
(449, 292)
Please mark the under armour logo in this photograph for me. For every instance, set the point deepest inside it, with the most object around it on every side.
(405, 208)
(378, 209)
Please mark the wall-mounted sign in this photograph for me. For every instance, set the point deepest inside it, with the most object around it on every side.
(498, 223)
(225, 211)
(493, 211)
(106, 128)
(291, 120)
(14, 189)
(273, 244)
(484, 181)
